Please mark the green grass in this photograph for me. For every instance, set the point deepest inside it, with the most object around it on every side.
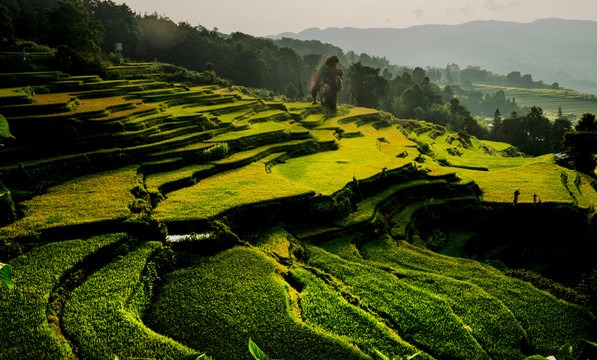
(547, 321)
(328, 172)
(476, 156)
(92, 198)
(235, 116)
(211, 196)
(323, 135)
(211, 305)
(337, 300)
(224, 108)
(261, 151)
(419, 316)
(268, 115)
(530, 175)
(255, 129)
(96, 315)
(324, 307)
(366, 209)
(498, 146)
(27, 330)
(542, 178)
(154, 181)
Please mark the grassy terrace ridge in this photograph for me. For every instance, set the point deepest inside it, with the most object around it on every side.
(211, 320)
(99, 321)
(92, 198)
(28, 330)
(315, 228)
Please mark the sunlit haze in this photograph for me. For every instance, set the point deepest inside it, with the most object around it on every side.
(269, 17)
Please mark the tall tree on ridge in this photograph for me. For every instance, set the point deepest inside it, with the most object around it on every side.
(367, 87)
(329, 79)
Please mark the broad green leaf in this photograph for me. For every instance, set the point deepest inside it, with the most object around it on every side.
(413, 356)
(192, 357)
(256, 351)
(381, 355)
(6, 276)
(591, 343)
(565, 352)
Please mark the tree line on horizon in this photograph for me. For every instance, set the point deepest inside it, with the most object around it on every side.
(84, 34)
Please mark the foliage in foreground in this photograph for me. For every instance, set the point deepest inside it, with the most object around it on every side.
(99, 319)
(37, 274)
(211, 305)
(6, 276)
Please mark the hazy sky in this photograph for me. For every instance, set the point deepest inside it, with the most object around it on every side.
(270, 17)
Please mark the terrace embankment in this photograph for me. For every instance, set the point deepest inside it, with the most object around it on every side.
(553, 239)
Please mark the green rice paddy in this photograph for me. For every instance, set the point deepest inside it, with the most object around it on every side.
(573, 103)
(308, 238)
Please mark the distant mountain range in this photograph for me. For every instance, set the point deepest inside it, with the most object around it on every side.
(552, 50)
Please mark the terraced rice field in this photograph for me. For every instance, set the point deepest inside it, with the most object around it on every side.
(305, 223)
(574, 104)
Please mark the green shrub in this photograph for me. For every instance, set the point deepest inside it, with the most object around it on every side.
(218, 151)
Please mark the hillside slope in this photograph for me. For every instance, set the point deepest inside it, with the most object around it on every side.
(307, 231)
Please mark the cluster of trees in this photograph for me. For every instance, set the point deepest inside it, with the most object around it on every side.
(85, 32)
(581, 145)
(313, 51)
(452, 74)
(411, 95)
(483, 104)
(532, 133)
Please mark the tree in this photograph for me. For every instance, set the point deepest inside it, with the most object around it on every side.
(120, 26)
(587, 123)
(514, 78)
(367, 86)
(461, 118)
(418, 75)
(538, 129)
(447, 93)
(496, 130)
(527, 81)
(560, 115)
(560, 127)
(76, 36)
(581, 147)
(497, 117)
(6, 29)
(328, 80)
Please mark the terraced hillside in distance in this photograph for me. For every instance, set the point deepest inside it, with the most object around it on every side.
(573, 104)
(145, 219)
